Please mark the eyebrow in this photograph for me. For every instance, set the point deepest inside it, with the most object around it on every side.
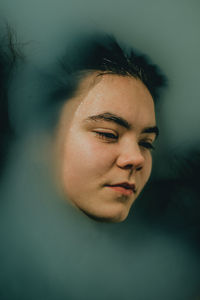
(153, 129)
(109, 117)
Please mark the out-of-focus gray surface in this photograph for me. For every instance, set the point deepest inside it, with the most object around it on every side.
(50, 250)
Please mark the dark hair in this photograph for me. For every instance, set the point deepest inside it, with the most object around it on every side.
(104, 54)
(101, 53)
(8, 58)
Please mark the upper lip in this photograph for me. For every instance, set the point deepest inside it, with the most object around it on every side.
(126, 185)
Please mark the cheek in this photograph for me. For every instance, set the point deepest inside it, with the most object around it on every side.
(149, 166)
(85, 157)
(147, 169)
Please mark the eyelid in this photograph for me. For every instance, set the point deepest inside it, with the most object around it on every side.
(147, 144)
(106, 130)
(106, 134)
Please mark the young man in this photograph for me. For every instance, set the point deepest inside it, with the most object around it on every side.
(106, 128)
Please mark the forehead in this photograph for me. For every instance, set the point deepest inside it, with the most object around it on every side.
(121, 95)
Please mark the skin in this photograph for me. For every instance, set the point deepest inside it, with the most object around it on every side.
(94, 153)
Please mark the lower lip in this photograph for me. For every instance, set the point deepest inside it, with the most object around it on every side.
(121, 190)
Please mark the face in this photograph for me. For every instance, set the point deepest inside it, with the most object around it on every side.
(104, 143)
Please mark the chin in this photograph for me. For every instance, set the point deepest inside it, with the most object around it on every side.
(111, 216)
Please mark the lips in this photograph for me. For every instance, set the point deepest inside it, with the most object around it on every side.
(123, 188)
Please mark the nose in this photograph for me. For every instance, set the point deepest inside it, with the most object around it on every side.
(131, 157)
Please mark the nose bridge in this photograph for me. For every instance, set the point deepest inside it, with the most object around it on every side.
(130, 155)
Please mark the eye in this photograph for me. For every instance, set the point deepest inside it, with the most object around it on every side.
(107, 136)
(147, 145)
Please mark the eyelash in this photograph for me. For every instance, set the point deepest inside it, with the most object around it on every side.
(147, 145)
(107, 135)
(110, 137)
